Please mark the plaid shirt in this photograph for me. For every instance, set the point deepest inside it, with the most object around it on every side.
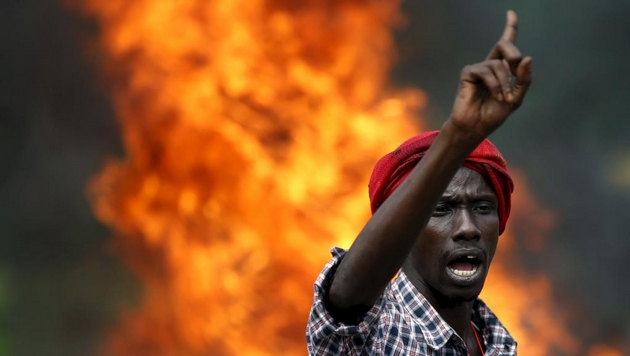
(401, 322)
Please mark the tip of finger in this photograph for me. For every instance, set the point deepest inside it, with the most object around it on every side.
(511, 15)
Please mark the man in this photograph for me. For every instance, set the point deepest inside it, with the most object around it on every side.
(439, 204)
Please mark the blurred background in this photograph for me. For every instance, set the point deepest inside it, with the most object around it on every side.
(63, 283)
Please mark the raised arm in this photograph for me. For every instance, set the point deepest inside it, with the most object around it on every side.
(488, 93)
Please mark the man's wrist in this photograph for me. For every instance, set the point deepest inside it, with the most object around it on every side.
(459, 137)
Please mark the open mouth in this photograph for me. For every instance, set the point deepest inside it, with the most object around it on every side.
(465, 266)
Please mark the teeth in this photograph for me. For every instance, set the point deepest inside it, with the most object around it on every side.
(470, 257)
(463, 273)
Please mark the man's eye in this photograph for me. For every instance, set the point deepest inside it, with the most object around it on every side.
(484, 208)
(441, 210)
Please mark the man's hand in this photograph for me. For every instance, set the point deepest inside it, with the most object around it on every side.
(491, 90)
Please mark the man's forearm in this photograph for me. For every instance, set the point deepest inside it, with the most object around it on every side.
(386, 240)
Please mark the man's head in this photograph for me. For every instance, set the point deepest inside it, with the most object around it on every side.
(392, 169)
(452, 257)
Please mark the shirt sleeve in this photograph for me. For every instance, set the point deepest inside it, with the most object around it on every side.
(326, 336)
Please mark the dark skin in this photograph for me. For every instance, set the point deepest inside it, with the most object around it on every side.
(408, 223)
(467, 215)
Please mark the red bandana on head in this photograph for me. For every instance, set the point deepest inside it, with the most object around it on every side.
(393, 168)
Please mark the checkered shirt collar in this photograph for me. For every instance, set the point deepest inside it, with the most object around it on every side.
(436, 331)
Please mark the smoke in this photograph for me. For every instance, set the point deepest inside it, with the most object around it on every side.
(58, 286)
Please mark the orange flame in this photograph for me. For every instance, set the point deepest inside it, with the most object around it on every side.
(250, 129)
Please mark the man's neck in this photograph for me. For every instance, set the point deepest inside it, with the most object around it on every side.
(456, 313)
(459, 316)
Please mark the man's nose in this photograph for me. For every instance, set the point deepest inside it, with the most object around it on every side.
(466, 226)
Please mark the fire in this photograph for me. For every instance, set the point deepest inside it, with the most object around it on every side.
(522, 301)
(250, 129)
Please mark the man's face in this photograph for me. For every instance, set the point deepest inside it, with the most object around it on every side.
(451, 259)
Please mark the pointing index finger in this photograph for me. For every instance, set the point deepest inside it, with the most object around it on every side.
(511, 27)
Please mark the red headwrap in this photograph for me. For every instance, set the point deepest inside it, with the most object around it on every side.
(394, 167)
